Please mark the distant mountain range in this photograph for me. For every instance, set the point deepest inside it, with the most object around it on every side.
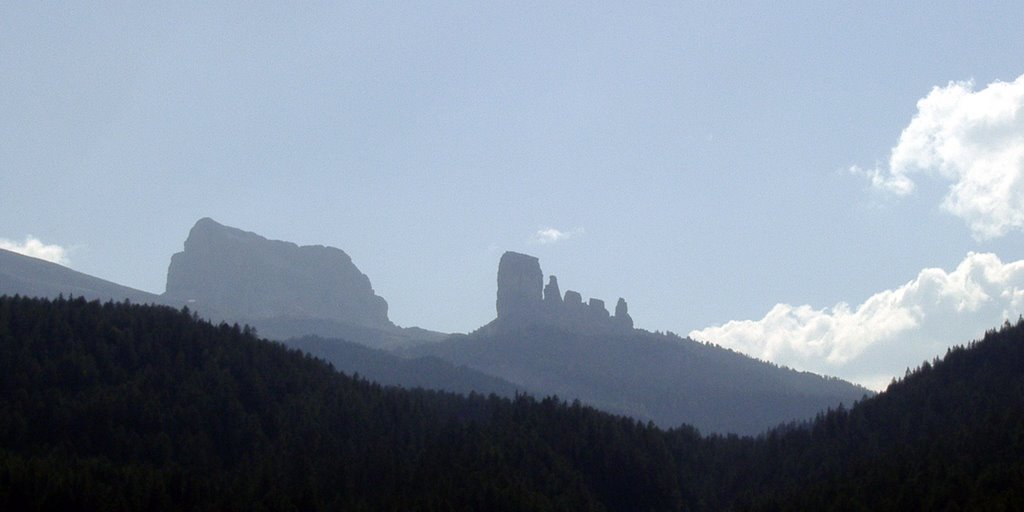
(542, 341)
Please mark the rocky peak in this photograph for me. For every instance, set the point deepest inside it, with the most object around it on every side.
(520, 281)
(551, 292)
(622, 314)
(523, 299)
(246, 276)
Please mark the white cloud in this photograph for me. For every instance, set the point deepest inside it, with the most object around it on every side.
(975, 141)
(552, 235)
(37, 249)
(891, 331)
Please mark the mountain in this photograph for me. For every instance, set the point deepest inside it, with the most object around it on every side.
(541, 341)
(32, 277)
(125, 407)
(231, 275)
(563, 346)
(244, 275)
(662, 378)
(281, 288)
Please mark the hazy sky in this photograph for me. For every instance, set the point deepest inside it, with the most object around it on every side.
(836, 186)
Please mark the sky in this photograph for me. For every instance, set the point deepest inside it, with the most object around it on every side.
(833, 186)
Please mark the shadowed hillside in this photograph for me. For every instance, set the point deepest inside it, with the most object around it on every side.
(122, 407)
(389, 369)
(949, 436)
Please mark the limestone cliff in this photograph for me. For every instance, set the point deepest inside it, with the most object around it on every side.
(243, 275)
(520, 282)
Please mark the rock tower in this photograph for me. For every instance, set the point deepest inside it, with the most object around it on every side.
(523, 299)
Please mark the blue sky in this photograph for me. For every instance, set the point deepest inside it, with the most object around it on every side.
(748, 163)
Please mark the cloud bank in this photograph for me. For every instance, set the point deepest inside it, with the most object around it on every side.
(37, 249)
(975, 141)
(891, 330)
(553, 235)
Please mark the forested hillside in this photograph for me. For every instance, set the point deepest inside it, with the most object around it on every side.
(949, 436)
(123, 407)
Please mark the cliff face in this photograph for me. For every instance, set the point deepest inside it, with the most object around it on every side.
(520, 282)
(523, 299)
(243, 275)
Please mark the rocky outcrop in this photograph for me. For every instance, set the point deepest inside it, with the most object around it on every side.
(239, 274)
(522, 300)
(551, 293)
(622, 314)
(520, 281)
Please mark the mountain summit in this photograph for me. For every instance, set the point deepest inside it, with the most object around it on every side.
(243, 275)
(523, 299)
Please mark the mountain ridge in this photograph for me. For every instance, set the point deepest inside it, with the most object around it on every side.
(29, 276)
(575, 349)
(652, 377)
(563, 346)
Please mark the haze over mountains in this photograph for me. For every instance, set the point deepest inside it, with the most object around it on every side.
(542, 341)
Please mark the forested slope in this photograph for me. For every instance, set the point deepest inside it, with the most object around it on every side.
(949, 436)
(124, 407)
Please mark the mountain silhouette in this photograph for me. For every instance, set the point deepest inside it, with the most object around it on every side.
(542, 341)
(573, 349)
(281, 288)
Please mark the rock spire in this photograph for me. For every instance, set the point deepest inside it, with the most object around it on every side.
(523, 299)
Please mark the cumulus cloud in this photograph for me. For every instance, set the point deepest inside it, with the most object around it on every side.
(975, 141)
(891, 330)
(552, 235)
(37, 249)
